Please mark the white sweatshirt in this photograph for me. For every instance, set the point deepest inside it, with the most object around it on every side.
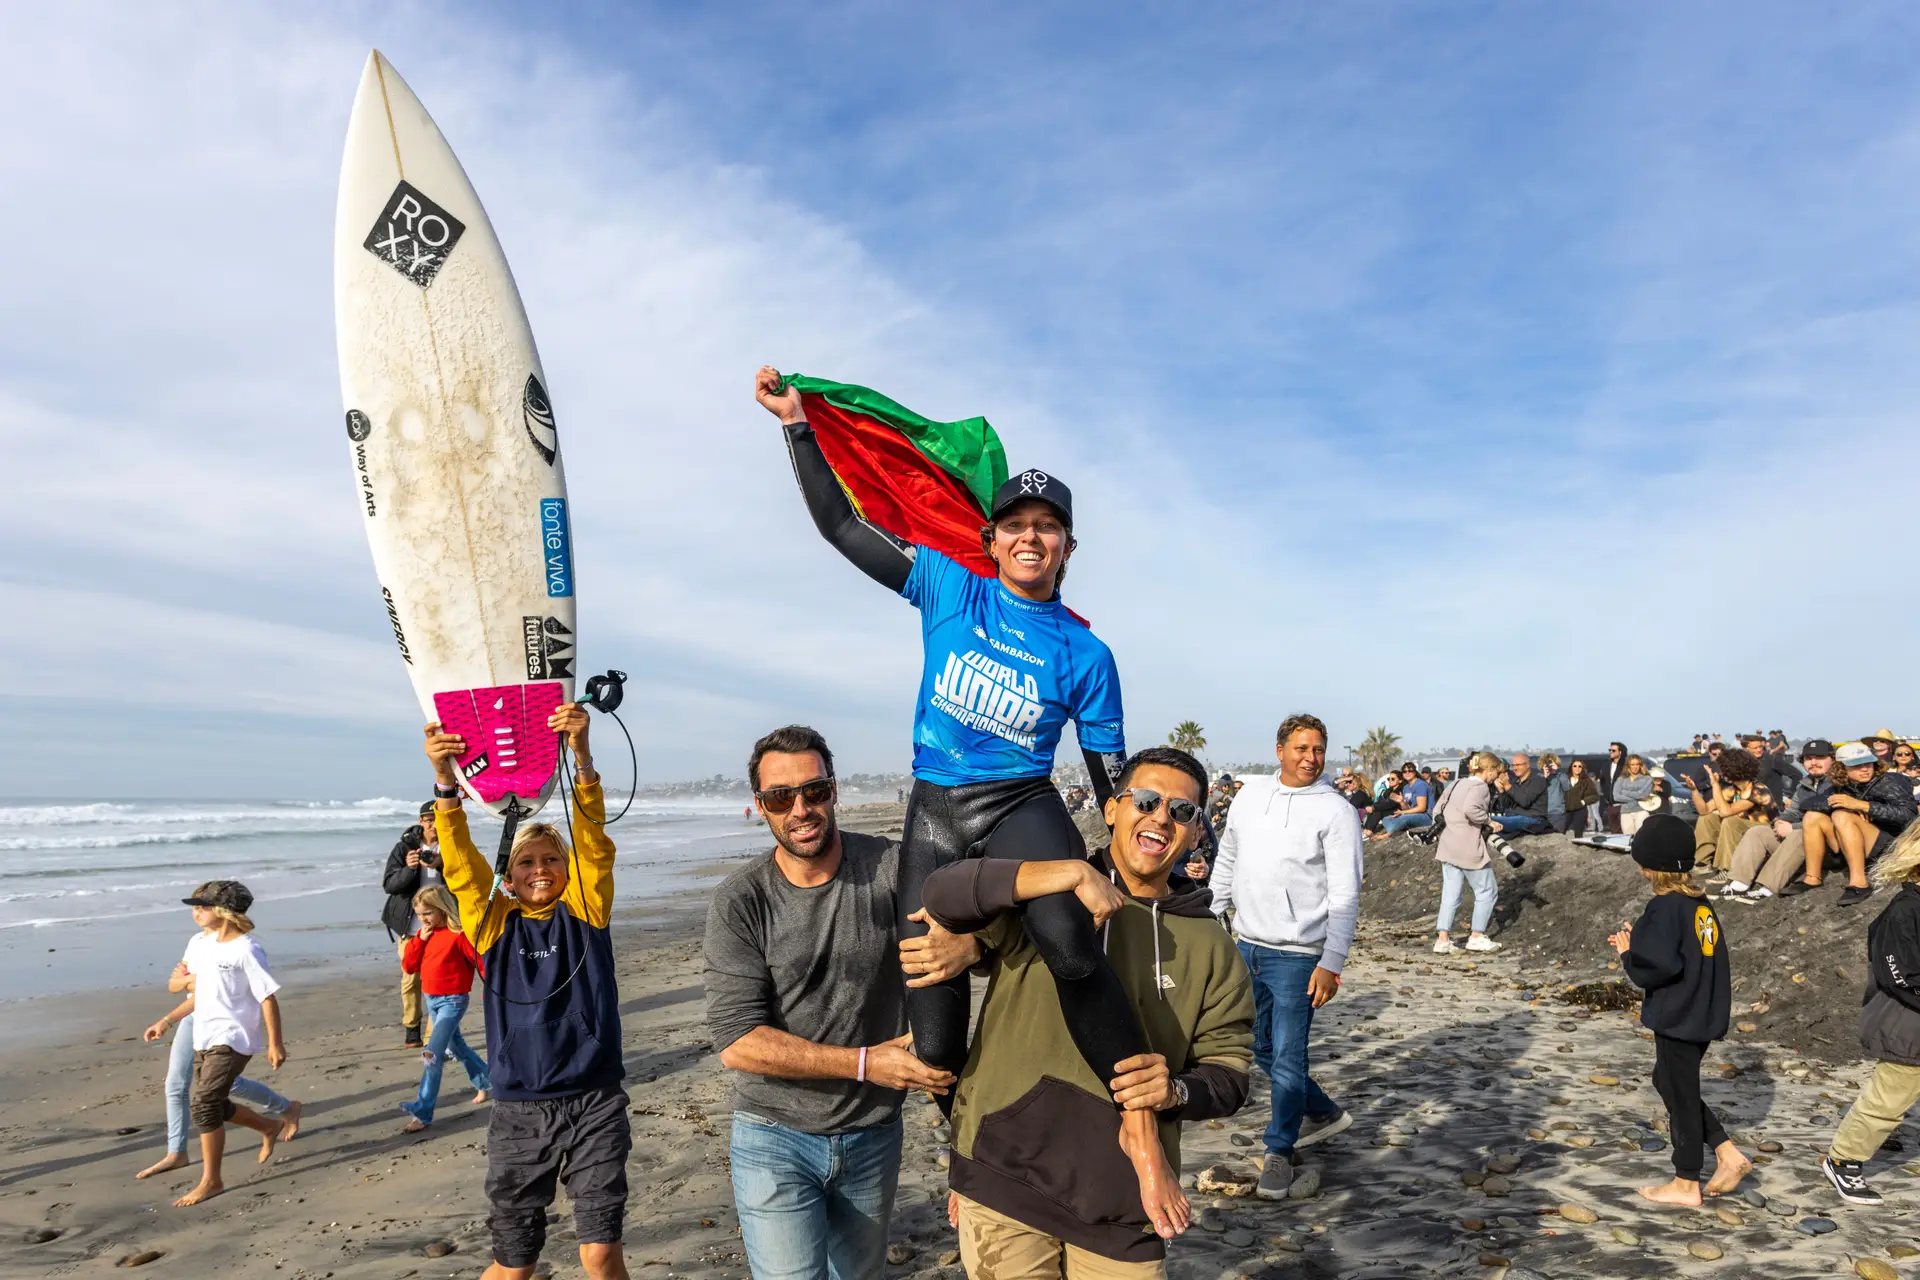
(1289, 868)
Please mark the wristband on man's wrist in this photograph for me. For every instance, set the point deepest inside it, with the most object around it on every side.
(860, 1073)
(443, 792)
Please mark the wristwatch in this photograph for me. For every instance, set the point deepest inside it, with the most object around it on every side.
(1180, 1093)
(445, 793)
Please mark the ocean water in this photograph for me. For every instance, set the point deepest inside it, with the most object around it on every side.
(90, 890)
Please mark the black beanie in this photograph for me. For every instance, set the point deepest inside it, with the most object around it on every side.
(1664, 843)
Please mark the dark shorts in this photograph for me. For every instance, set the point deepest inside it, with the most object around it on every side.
(214, 1071)
(581, 1141)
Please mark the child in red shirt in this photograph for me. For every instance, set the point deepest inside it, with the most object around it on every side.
(445, 960)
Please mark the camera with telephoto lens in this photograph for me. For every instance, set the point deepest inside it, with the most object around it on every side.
(1498, 843)
(412, 839)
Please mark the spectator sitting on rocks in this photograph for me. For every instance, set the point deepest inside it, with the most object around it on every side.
(1556, 790)
(1356, 789)
(1733, 803)
(1882, 743)
(1767, 858)
(1632, 787)
(1522, 804)
(1866, 809)
(1414, 807)
(1777, 773)
(1583, 799)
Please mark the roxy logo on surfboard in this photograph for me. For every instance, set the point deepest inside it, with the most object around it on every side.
(414, 235)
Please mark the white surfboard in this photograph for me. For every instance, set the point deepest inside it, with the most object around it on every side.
(456, 462)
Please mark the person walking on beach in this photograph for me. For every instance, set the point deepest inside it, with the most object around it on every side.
(1039, 1186)
(235, 1011)
(1464, 855)
(553, 1015)
(1005, 665)
(445, 962)
(808, 1012)
(1289, 872)
(180, 1085)
(413, 865)
(1677, 953)
(1889, 1027)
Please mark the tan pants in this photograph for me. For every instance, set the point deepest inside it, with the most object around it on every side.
(412, 1007)
(1631, 816)
(995, 1247)
(1715, 838)
(1883, 1103)
(1764, 858)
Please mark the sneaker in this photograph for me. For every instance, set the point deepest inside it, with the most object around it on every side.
(1737, 886)
(413, 1040)
(1444, 947)
(1759, 893)
(1481, 942)
(1855, 895)
(1319, 1128)
(1276, 1175)
(1847, 1176)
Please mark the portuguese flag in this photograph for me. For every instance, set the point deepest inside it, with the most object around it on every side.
(922, 481)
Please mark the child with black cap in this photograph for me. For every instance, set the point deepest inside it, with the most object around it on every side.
(1677, 953)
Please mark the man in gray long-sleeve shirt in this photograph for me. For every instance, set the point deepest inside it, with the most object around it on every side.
(807, 1007)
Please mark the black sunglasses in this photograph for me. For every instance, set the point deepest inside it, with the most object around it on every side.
(1146, 801)
(780, 799)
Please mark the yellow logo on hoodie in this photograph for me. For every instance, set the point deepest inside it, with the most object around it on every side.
(1705, 928)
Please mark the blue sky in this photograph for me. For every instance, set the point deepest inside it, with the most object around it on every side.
(1499, 373)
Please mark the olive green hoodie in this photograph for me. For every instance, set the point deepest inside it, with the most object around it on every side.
(1036, 1135)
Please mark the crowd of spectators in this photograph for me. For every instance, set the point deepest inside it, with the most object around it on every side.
(1768, 822)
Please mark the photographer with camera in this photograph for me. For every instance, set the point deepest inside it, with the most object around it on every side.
(1464, 849)
(413, 865)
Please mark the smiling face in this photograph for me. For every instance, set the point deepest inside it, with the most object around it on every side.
(1146, 845)
(1860, 774)
(1522, 766)
(1030, 545)
(1303, 757)
(430, 916)
(806, 830)
(538, 873)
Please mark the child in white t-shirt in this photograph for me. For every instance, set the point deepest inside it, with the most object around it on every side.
(234, 1015)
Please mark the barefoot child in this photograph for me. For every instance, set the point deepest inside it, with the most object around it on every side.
(234, 1011)
(180, 1084)
(1889, 1027)
(446, 962)
(553, 1017)
(1678, 954)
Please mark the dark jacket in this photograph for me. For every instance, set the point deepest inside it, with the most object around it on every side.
(1779, 774)
(1808, 791)
(400, 882)
(1679, 957)
(1035, 1133)
(1889, 797)
(1527, 797)
(1890, 1012)
(1581, 793)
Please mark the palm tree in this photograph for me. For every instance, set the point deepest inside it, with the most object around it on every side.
(1189, 737)
(1378, 751)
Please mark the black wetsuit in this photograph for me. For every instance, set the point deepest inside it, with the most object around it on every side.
(1020, 816)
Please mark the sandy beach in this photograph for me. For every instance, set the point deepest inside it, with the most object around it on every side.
(1499, 1130)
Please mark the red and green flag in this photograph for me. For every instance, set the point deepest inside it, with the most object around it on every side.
(922, 481)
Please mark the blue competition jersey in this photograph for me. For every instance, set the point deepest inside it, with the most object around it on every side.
(1003, 676)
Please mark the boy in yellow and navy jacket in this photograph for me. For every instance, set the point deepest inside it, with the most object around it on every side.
(553, 1016)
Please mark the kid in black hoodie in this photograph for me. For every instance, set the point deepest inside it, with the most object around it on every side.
(1679, 955)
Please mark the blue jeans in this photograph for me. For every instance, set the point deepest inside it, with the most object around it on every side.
(1486, 892)
(1403, 821)
(1517, 824)
(446, 1012)
(814, 1206)
(1282, 1020)
(247, 1092)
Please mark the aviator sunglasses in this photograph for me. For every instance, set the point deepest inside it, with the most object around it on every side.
(780, 799)
(1146, 801)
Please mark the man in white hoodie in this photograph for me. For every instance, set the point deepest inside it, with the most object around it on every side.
(1289, 871)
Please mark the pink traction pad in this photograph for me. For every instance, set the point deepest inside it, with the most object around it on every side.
(509, 747)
